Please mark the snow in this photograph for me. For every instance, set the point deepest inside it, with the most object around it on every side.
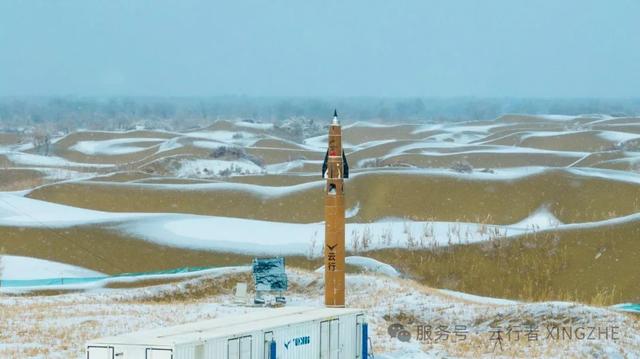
(116, 146)
(244, 235)
(555, 117)
(618, 137)
(58, 174)
(169, 145)
(542, 218)
(20, 268)
(255, 125)
(613, 136)
(368, 264)
(606, 174)
(366, 124)
(263, 191)
(513, 173)
(49, 161)
(464, 149)
(278, 168)
(16, 210)
(457, 128)
(538, 134)
(278, 238)
(353, 211)
(477, 298)
(95, 280)
(210, 145)
(53, 333)
(249, 236)
(241, 137)
(369, 144)
(319, 142)
(498, 174)
(200, 168)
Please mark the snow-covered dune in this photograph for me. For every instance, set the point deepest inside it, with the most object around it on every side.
(25, 268)
(117, 146)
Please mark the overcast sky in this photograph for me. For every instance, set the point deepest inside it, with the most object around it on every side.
(515, 48)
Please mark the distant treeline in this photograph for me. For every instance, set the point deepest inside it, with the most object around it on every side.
(68, 113)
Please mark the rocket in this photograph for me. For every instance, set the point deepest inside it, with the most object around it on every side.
(334, 169)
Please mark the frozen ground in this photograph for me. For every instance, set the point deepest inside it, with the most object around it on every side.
(57, 326)
(17, 267)
(118, 146)
(207, 168)
(238, 235)
(41, 326)
(277, 238)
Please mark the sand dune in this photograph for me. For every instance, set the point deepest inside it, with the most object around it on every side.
(574, 169)
(480, 160)
(503, 197)
(581, 264)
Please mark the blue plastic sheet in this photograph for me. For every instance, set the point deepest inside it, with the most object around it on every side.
(630, 307)
(16, 283)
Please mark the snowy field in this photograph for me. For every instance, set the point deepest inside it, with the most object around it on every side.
(509, 151)
(35, 327)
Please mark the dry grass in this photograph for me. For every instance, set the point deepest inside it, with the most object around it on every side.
(588, 141)
(276, 143)
(42, 327)
(594, 159)
(202, 289)
(571, 198)
(106, 250)
(595, 266)
(275, 180)
(279, 155)
(62, 147)
(16, 179)
(127, 176)
(360, 134)
(482, 160)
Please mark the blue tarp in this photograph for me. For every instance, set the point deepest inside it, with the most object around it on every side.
(630, 307)
(72, 280)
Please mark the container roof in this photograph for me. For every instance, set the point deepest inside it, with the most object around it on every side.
(227, 326)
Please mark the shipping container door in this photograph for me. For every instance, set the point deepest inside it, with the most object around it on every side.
(359, 322)
(268, 338)
(334, 337)
(199, 351)
(233, 349)
(239, 348)
(245, 347)
(153, 353)
(99, 352)
(324, 340)
(330, 339)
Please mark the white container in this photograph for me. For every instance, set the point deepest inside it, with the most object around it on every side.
(289, 333)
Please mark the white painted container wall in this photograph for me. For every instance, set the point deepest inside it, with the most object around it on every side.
(298, 333)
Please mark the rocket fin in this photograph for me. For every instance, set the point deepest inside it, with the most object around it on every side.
(345, 166)
(324, 164)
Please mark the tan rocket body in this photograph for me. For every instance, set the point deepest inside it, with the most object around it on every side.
(334, 170)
